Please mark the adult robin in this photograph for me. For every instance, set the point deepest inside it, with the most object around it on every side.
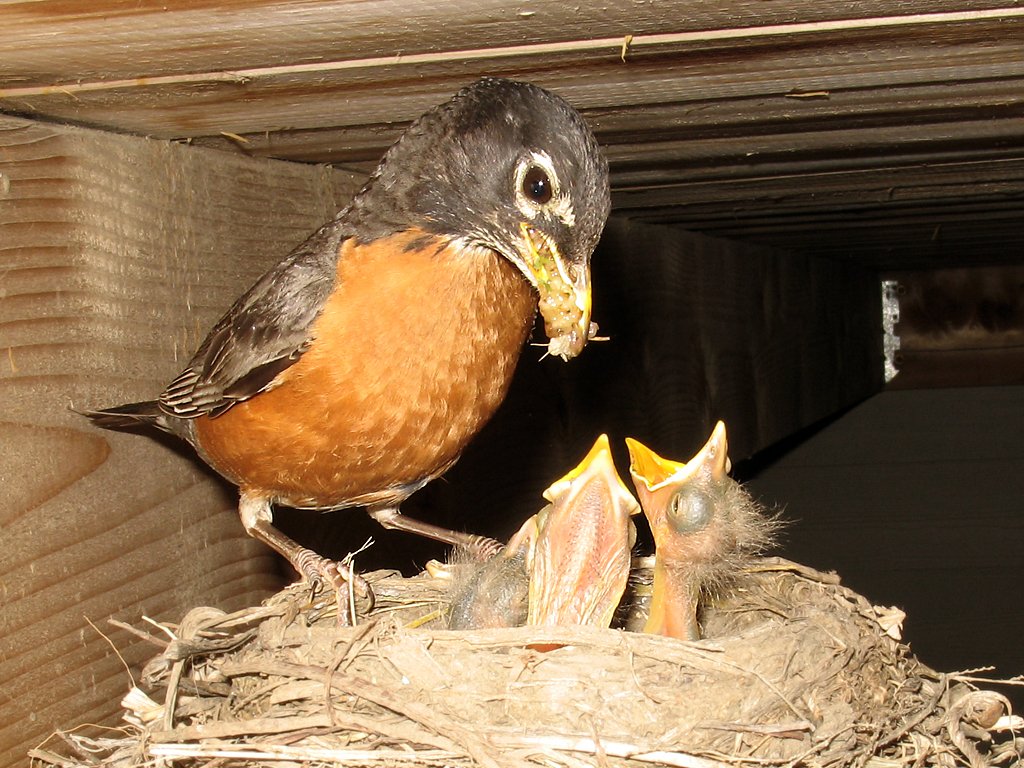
(568, 564)
(705, 528)
(357, 369)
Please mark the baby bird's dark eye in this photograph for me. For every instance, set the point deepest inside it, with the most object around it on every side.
(690, 510)
(537, 185)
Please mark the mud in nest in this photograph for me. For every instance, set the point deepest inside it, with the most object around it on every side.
(795, 670)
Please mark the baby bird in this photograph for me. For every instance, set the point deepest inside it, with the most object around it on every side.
(705, 526)
(486, 595)
(568, 564)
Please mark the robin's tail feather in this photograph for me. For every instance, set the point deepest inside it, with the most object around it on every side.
(128, 416)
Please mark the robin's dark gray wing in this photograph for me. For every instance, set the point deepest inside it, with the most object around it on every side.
(263, 333)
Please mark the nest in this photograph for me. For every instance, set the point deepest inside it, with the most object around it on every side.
(795, 670)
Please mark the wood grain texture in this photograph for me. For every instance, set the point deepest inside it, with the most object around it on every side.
(116, 255)
(747, 75)
(107, 40)
(722, 118)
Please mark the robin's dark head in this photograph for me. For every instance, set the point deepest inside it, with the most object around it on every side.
(507, 167)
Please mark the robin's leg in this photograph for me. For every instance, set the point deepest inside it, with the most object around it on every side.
(391, 518)
(318, 571)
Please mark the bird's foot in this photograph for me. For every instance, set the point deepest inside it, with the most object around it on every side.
(322, 574)
(479, 548)
(482, 548)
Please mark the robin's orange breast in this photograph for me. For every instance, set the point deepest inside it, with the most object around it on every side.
(411, 354)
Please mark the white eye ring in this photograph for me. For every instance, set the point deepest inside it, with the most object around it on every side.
(533, 162)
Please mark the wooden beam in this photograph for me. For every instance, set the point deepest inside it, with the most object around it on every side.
(698, 126)
(768, 340)
(116, 255)
(105, 40)
(733, 104)
(664, 66)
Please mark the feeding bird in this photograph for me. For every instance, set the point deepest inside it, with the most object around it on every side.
(705, 527)
(357, 369)
(568, 564)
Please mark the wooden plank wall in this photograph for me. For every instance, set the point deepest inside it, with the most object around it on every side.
(888, 131)
(116, 255)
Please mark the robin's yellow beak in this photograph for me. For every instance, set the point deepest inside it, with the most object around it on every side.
(564, 292)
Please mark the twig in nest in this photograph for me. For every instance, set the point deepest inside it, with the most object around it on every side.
(114, 648)
(919, 717)
(981, 707)
(611, 748)
(967, 676)
(239, 729)
(162, 627)
(777, 564)
(356, 686)
(303, 754)
(224, 734)
(145, 636)
(782, 730)
(344, 656)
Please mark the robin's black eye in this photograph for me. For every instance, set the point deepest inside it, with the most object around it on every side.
(537, 185)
